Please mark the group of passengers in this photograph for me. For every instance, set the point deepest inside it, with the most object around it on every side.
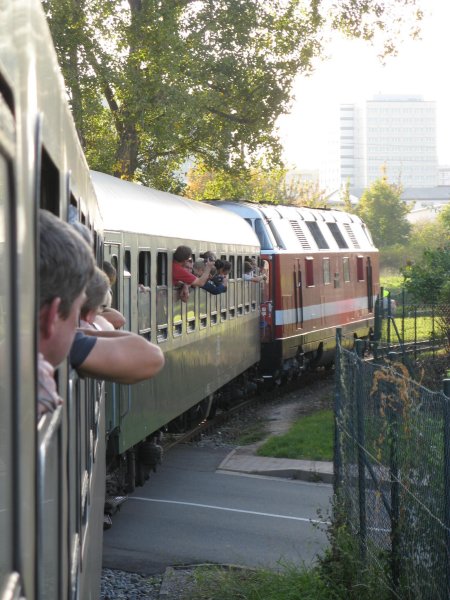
(208, 272)
(71, 286)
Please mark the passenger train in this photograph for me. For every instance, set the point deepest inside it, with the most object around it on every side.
(322, 272)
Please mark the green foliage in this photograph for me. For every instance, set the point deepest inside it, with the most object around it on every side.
(384, 212)
(427, 280)
(152, 84)
(310, 438)
(254, 184)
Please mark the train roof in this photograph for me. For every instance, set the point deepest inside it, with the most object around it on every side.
(294, 229)
(131, 207)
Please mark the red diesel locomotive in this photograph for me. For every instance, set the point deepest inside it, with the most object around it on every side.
(323, 273)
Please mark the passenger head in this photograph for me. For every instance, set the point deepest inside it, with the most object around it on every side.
(110, 272)
(198, 267)
(208, 255)
(248, 267)
(225, 268)
(66, 263)
(96, 291)
(182, 254)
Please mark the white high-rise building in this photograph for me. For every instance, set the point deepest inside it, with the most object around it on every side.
(391, 134)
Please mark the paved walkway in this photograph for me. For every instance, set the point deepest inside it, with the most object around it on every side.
(243, 460)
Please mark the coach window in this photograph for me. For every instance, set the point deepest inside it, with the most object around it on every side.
(309, 271)
(213, 309)
(115, 286)
(161, 297)
(144, 294)
(232, 289)
(346, 269)
(49, 184)
(191, 314)
(239, 287)
(360, 268)
(203, 307)
(127, 289)
(326, 271)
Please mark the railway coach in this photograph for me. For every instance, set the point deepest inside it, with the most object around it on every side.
(209, 342)
(52, 471)
(323, 273)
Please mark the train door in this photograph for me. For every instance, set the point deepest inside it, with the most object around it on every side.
(298, 293)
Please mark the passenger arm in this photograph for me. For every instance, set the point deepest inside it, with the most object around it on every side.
(121, 356)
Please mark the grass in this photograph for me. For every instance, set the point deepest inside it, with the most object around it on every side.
(421, 330)
(392, 283)
(293, 583)
(254, 433)
(310, 438)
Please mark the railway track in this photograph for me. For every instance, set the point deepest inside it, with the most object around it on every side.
(275, 394)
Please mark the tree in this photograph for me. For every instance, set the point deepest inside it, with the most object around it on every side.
(384, 212)
(152, 82)
(255, 184)
(428, 279)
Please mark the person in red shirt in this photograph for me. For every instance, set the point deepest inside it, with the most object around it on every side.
(182, 275)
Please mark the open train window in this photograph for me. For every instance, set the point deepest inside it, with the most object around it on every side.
(360, 268)
(336, 233)
(161, 296)
(115, 286)
(144, 294)
(309, 271)
(317, 235)
(239, 267)
(346, 268)
(326, 271)
(48, 184)
(203, 307)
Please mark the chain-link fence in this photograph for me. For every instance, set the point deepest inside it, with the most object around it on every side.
(418, 335)
(392, 467)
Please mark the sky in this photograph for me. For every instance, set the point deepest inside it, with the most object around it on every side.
(354, 73)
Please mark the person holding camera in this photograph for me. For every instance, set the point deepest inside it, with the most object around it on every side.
(182, 277)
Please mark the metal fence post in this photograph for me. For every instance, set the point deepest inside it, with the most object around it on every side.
(395, 489)
(446, 387)
(337, 458)
(359, 347)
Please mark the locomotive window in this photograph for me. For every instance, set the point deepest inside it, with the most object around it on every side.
(326, 271)
(277, 237)
(261, 232)
(360, 268)
(309, 268)
(336, 233)
(144, 293)
(346, 268)
(317, 235)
